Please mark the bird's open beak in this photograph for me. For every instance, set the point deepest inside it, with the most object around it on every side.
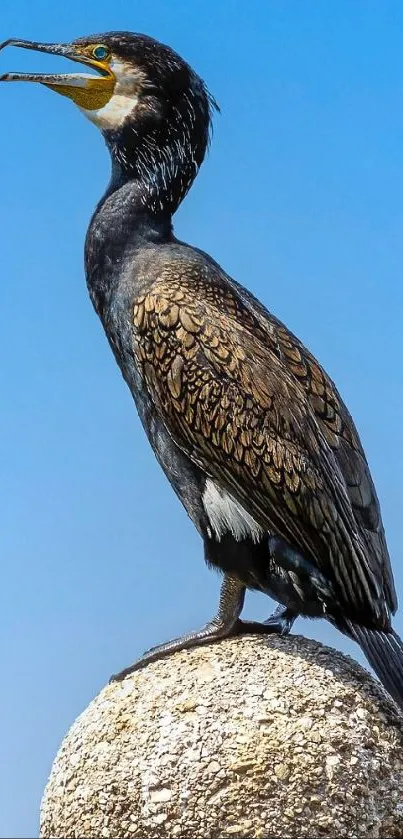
(87, 90)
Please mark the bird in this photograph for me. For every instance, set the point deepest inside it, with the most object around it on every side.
(247, 426)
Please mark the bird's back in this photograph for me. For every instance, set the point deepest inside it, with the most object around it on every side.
(338, 427)
(193, 326)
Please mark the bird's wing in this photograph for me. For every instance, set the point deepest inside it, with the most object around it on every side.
(231, 404)
(338, 428)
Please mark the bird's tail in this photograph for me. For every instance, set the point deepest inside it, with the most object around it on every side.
(384, 651)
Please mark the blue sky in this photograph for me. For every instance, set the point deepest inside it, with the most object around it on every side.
(301, 199)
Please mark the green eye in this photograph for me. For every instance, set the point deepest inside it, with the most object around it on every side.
(100, 52)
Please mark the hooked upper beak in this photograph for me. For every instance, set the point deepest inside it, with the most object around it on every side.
(64, 50)
(88, 90)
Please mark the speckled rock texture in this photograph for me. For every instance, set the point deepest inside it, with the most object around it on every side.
(251, 737)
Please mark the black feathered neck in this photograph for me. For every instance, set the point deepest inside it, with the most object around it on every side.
(156, 153)
(162, 145)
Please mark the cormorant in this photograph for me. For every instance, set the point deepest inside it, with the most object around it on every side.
(247, 426)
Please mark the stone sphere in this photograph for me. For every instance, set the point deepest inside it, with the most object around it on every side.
(250, 737)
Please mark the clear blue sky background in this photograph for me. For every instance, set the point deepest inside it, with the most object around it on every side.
(301, 199)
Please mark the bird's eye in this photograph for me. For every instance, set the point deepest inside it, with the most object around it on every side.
(100, 52)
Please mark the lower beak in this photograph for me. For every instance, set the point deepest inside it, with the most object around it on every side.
(86, 89)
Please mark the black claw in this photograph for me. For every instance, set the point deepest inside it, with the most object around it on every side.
(278, 624)
(210, 633)
(280, 627)
(119, 677)
(151, 655)
(281, 621)
(222, 625)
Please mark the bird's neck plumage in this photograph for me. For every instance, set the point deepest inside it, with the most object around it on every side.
(119, 229)
(153, 167)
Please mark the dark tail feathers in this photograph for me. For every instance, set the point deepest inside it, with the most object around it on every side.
(384, 651)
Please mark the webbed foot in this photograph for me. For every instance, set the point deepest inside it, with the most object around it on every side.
(280, 622)
(223, 625)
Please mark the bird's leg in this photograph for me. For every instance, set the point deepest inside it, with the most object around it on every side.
(224, 624)
(283, 617)
(280, 622)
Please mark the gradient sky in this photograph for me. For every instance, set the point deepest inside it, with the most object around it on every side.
(300, 199)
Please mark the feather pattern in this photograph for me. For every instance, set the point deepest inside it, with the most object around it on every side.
(253, 409)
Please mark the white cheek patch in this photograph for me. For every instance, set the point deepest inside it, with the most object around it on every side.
(113, 113)
(124, 99)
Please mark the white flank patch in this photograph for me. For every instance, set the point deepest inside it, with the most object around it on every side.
(123, 100)
(228, 516)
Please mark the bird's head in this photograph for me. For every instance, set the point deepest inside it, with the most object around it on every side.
(143, 96)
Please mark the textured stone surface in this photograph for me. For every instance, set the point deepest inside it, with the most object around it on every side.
(251, 737)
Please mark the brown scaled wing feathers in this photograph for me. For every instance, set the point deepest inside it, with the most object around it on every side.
(240, 395)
